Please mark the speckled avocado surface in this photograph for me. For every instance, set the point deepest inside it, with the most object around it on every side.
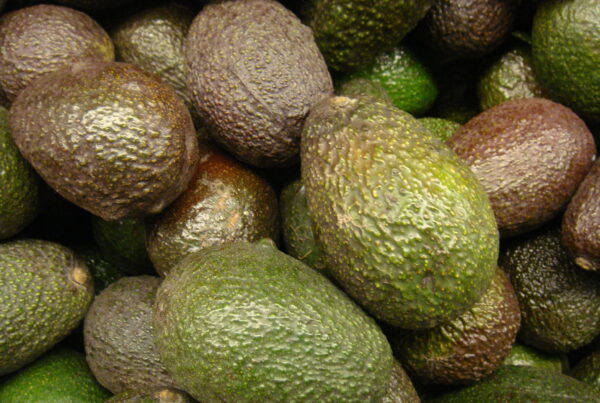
(400, 389)
(165, 395)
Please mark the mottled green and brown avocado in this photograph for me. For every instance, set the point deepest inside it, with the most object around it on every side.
(530, 155)
(401, 388)
(406, 228)
(45, 291)
(524, 355)
(38, 40)
(162, 395)
(108, 137)
(225, 202)
(95, 4)
(362, 87)
(254, 71)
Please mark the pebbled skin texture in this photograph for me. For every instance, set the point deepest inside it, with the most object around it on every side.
(443, 129)
(351, 33)
(164, 395)
(108, 137)
(40, 302)
(530, 155)
(588, 370)
(255, 71)
(20, 199)
(458, 29)
(560, 303)
(400, 389)
(41, 39)
(566, 53)
(225, 202)
(246, 323)
(468, 348)
(62, 375)
(523, 355)
(95, 4)
(581, 222)
(118, 337)
(406, 228)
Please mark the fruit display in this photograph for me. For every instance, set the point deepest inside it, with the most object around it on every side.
(288, 201)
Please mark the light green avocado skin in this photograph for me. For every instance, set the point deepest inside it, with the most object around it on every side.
(407, 229)
(522, 355)
(245, 322)
(443, 129)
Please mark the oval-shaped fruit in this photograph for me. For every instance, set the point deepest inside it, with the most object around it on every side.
(406, 228)
(38, 40)
(60, 376)
(108, 137)
(164, 395)
(45, 292)
(118, 337)
(560, 303)
(247, 323)
(401, 388)
(469, 347)
(581, 222)
(255, 71)
(565, 42)
(95, 4)
(523, 355)
(530, 155)
(360, 87)
(224, 202)
(443, 129)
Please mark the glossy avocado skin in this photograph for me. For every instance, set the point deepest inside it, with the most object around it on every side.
(254, 71)
(560, 302)
(523, 355)
(530, 156)
(406, 228)
(581, 222)
(280, 331)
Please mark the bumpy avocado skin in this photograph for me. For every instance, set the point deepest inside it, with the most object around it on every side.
(588, 370)
(524, 385)
(118, 337)
(165, 395)
(95, 4)
(45, 291)
(560, 302)
(406, 228)
(565, 42)
(62, 375)
(443, 129)
(362, 87)
(530, 155)
(469, 347)
(351, 33)
(279, 331)
(400, 389)
(41, 39)
(108, 137)
(581, 222)
(225, 202)
(19, 195)
(255, 71)
(523, 355)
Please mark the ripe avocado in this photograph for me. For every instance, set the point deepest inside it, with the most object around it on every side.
(19, 187)
(588, 370)
(523, 355)
(443, 129)
(108, 137)
(244, 322)
(163, 395)
(581, 222)
(560, 302)
(405, 226)
(45, 291)
(254, 72)
(38, 40)
(530, 156)
(62, 375)
(224, 202)
(118, 337)
(360, 87)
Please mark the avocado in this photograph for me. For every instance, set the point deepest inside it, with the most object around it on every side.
(95, 4)
(560, 302)
(400, 389)
(254, 71)
(244, 322)
(581, 222)
(103, 272)
(406, 228)
(123, 242)
(163, 395)
(45, 291)
(405, 78)
(224, 202)
(523, 355)
(530, 155)
(59, 376)
(459, 29)
(352, 33)
(443, 129)
(20, 200)
(108, 137)
(565, 42)
(517, 384)
(297, 228)
(41, 39)
(118, 337)
(362, 87)
(471, 346)
(588, 370)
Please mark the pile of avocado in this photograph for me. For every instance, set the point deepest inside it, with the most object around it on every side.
(299, 201)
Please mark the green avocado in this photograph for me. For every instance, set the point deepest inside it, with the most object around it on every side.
(363, 87)
(401, 388)
(103, 271)
(443, 129)
(521, 354)
(406, 228)
(164, 395)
